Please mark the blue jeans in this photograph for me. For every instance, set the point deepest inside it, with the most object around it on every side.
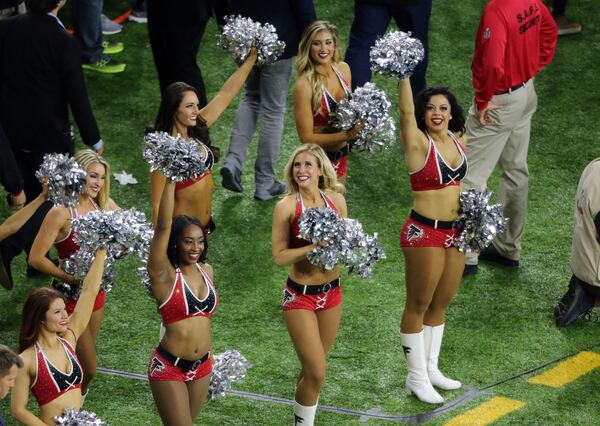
(86, 23)
(370, 23)
(264, 100)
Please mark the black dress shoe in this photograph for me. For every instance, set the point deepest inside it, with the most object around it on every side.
(491, 254)
(575, 303)
(232, 179)
(5, 272)
(275, 190)
(470, 270)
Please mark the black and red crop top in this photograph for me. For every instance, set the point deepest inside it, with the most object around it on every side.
(436, 173)
(182, 303)
(328, 102)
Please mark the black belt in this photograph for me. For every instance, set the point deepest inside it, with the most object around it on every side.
(512, 89)
(184, 364)
(312, 289)
(337, 155)
(437, 224)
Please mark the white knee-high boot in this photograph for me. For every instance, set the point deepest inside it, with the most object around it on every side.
(304, 416)
(417, 381)
(433, 344)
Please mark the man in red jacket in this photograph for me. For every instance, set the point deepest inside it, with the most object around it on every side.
(515, 40)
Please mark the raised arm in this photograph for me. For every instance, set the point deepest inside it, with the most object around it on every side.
(304, 121)
(408, 122)
(232, 86)
(160, 269)
(280, 237)
(45, 238)
(20, 393)
(157, 186)
(18, 219)
(89, 289)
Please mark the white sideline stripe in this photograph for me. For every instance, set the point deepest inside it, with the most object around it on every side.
(365, 415)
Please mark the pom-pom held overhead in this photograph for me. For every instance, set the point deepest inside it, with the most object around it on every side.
(228, 367)
(73, 417)
(342, 240)
(175, 158)
(240, 34)
(370, 106)
(480, 222)
(396, 54)
(66, 179)
(121, 232)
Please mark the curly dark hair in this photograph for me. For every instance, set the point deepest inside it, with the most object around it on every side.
(457, 122)
(165, 118)
(181, 222)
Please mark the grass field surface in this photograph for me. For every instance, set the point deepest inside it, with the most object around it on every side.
(500, 324)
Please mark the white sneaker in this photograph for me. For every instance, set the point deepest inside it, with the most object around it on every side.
(109, 26)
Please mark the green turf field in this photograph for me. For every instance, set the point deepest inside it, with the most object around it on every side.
(500, 324)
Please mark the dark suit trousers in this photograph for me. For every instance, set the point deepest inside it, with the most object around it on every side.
(370, 23)
(175, 36)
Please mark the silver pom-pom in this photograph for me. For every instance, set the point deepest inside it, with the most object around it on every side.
(480, 222)
(396, 54)
(66, 179)
(175, 158)
(73, 417)
(370, 106)
(121, 232)
(344, 240)
(240, 34)
(228, 367)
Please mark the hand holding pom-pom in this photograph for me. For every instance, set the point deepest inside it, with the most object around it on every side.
(396, 54)
(64, 177)
(370, 107)
(480, 222)
(175, 158)
(228, 367)
(241, 34)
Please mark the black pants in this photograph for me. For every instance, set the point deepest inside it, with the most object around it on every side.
(559, 7)
(175, 29)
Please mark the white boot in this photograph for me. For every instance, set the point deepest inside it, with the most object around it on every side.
(304, 416)
(417, 381)
(433, 343)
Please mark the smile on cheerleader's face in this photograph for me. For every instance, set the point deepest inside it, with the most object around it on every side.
(322, 47)
(306, 169)
(437, 112)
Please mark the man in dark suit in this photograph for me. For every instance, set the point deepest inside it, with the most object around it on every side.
(40, 79)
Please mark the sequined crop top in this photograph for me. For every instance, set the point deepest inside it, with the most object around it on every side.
(182, 303)
(50, 382)
(436, 173)
(67, 246)
(295, 240)
(328, 102)
(208, 164)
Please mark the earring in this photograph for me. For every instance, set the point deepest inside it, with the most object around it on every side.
(450, 117)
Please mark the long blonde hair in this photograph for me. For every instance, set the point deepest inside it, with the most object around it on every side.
(305, 66)
(329, 178)
(85, 158)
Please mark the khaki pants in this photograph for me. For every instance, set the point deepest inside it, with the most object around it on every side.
(505, 144)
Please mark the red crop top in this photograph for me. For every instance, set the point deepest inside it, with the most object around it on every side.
(182, 303)
(50, 382)
(67, 246)
(328, 102)
(436, 173)
(295, 240)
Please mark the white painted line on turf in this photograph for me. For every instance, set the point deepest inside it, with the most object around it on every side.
(363, 415)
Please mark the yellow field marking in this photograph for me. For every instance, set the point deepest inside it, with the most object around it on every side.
(486, 413)
(568, 370)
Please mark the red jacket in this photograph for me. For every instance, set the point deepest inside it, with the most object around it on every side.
(515, 39)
